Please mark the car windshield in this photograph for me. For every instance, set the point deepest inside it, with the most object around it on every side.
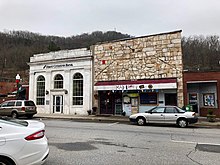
(148, 111)
(15, 122)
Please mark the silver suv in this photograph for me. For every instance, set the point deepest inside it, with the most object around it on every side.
(16, 108)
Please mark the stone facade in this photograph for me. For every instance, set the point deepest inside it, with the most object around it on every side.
(150, 57)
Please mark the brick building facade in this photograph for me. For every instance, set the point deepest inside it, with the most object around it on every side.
(202, 91)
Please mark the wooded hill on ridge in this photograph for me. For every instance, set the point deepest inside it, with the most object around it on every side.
(200, 53)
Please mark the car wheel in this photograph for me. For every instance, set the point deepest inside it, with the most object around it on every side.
(5, 161)
(14, 115)
(141, 121)
(182, 123)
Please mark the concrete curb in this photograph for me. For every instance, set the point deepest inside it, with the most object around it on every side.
(86, 118)
(121, 119)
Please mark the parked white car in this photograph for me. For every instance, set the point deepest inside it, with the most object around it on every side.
(165, 115)
(22, 142)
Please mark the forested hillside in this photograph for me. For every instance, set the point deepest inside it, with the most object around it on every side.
(16, 47)
(201, 53)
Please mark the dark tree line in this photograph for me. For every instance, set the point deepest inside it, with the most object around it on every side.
(16, 47)
(201, 53)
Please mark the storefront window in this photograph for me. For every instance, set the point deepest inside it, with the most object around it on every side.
(148, 98)
(40, 90)
(209, 99)
(78, 89)
(58, 81)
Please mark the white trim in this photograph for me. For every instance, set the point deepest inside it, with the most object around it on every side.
(136, 86)
(191, 82)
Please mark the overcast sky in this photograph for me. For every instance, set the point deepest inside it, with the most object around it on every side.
(133, 17)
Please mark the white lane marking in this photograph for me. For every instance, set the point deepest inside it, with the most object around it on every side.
(189, 142)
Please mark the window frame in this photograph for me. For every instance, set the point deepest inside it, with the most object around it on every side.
(78, 89)
(18, 103)
(158, 108)
(174, 110)
(40, 94)
(145, 100)
(10, 104)
(58, 81)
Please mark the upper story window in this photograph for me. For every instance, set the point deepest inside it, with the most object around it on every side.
(58, 81)
(78, 89)
(40, 90)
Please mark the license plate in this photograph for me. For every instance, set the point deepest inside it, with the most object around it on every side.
(31, 108)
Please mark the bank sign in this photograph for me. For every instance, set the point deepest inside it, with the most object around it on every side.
(57, 66)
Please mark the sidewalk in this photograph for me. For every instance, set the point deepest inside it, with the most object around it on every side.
(109, 118)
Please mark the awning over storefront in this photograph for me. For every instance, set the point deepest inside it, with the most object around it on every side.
(136, 84)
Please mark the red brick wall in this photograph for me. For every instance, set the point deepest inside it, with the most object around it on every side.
(203, 76)
(7, 87)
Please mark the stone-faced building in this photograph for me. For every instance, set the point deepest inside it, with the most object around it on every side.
(132, 75)
(61, 82)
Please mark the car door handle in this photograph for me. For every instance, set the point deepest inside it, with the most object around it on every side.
(175, 115)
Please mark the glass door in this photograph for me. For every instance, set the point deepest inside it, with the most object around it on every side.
(194, 101)
(57, 104)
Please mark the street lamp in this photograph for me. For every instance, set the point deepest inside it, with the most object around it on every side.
(17, 82)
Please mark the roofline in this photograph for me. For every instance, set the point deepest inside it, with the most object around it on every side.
(124, 39)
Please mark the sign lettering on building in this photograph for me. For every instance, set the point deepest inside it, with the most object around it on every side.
(57, 66)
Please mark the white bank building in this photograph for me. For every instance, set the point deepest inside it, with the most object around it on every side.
(62, 82)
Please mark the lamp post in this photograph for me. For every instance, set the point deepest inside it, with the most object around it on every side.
(17, 82)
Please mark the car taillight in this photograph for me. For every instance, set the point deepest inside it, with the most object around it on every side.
(194, 114)
(23, 108)
(36, 135)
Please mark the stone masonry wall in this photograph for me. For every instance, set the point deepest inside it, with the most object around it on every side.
(149, 57)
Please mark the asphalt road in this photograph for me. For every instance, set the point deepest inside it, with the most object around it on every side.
(89, 143)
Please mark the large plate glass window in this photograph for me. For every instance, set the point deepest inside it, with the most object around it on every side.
(40, 90)
(209, 99)
(58, 81)
(148, 98)
(78, 89)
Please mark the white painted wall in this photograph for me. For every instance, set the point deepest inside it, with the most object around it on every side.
(66, 63)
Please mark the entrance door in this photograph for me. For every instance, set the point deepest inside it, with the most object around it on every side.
(193, 101)
(134, 105)
(118, 103)
(106, 102)
(171, 99)
(58, 104)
